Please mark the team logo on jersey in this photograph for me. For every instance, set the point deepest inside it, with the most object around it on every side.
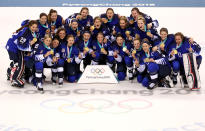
(94, 47)
(41, 51)
(63, 50)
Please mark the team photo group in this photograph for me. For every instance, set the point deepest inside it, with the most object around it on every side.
(132, 46)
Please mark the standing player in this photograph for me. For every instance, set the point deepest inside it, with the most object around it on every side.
(181, 46)
(143, 31)
(164, 41)
(110, 19)
(55, 20)
(99, 27)
(43, 26)
(135, 14)
(16, 46)
(73, 29)
(84, 19)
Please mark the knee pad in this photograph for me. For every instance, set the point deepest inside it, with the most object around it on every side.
(128, 61)
(152, 68)
(176, 66)
(145, 82)
(139, 78)
(39, 66)
(121, 76)
(72, 78)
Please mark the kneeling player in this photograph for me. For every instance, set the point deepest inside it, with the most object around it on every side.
(70, 57)
(157, 66)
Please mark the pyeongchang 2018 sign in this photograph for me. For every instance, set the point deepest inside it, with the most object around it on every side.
(98, 74)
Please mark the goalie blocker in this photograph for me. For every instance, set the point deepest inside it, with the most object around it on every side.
(191, 71)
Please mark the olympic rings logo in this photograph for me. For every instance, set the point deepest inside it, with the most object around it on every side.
(97, 71)
(92, 105)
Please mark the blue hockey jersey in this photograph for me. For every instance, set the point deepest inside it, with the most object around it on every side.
(21, 40)
(102, 29)
(42, 29)
(58, 23)
(148, 20)
(83, 22)
(157, 56)
(181, 49)
(40, 50)
(167, 42)
(143, 34)
(111, 23)
(69, 53)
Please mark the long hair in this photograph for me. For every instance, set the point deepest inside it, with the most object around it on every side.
(49, 15)
(32, 22)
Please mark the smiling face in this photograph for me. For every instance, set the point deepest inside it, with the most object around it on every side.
(141, 24)
(97, 23)
(62, 34)
(47, 41)
(136, 44)
(33, 27)
(53, 16)
(84, 13)
(163, 35)
(74, 25)
(135, 14)
(145, 47)
(70, 41)
(110, 14)
(120, 41)
(43, 20)
(100, 38)
(122, 24)
(55, 43)
(178, 39)
(86, 36)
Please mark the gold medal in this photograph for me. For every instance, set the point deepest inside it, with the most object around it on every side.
(51, 52)
(134, 52)
(162, 45)
(102, 49)
(68, 60)
(148, 33)
(127, 32)
(146, 59)
(34, 39)
(124, 49)
(175, 52)
(86, 49)
(92, 27)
